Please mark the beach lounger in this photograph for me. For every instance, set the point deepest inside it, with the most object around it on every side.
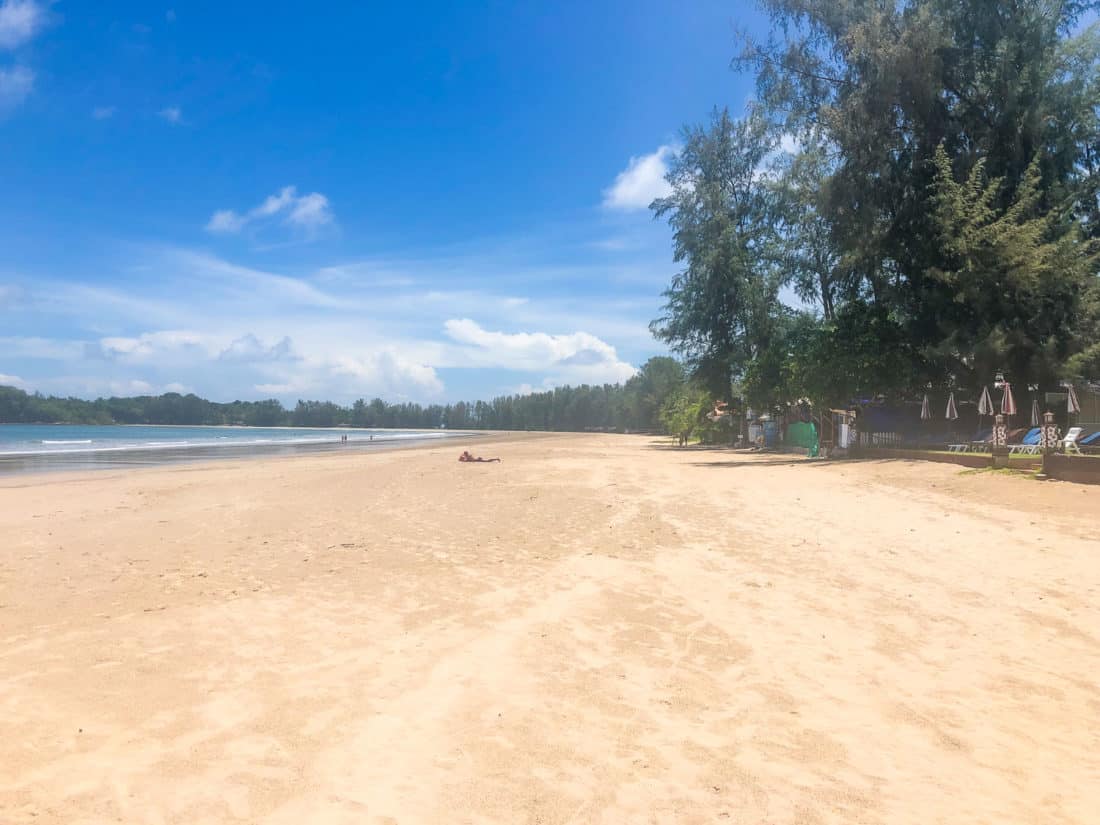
(1029, 444)
(980, 442)
(1069, 443)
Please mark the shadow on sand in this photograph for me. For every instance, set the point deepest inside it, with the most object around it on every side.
(763, 459)
(666, 444)
(787, 461)
(771, 461)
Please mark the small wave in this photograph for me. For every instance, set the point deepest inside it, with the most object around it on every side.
(78, 441)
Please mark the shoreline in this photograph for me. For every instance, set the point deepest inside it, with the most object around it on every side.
(116, 458)
(336, 452)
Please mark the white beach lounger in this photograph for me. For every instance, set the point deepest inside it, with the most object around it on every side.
(1069, 443)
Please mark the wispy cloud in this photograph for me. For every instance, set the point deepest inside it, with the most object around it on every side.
(103, 112)
(16, 84)
(172, 114)
(245, 283)
(9, 294)
(305, 212)
(20, 21)
(310, 211)
(643, 180)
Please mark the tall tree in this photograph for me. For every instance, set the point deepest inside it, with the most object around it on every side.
(722, 308)
(884, 87)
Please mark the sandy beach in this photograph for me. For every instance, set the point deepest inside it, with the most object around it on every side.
(599, 629)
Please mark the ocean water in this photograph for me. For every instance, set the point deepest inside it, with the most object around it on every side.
(31, 447)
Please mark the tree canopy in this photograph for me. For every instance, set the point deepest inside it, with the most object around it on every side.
(937, 219)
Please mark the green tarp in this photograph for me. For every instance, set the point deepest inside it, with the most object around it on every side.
(800, 434)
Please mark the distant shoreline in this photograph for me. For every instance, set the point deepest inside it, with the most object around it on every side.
(109, 456)
(342, 427)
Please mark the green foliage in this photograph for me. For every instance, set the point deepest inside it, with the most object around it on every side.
(938, 215)
(859, 353)
(719, 310)
(684, 411)
(644, 394)
(1014, 273)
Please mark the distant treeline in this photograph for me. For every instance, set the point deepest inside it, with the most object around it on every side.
(635, 405)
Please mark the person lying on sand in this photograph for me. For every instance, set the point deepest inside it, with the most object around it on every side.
(467, 457)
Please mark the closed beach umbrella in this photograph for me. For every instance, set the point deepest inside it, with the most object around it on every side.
(985, 404)
(1008, 403)
(1035, 412)
(952, 412)
(925, 410)
(1072, 404)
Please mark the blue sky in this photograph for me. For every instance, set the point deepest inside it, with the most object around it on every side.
(418, 201)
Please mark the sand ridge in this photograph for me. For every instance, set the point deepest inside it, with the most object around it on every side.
(598, 629)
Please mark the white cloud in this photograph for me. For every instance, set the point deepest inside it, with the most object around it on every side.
(641, 182)
(154, 345)
(790, 144)
(275, 203)
(131, 387)
(11, 381)
(390, 370)
(103, 112)
(250, 349)
(308, 212)
(381, 371)
(20, 21)
(173, 114)
(333, 368)
(226, 221)
(16, 84)
(577, 356)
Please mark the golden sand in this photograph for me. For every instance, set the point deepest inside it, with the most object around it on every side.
(596, 630)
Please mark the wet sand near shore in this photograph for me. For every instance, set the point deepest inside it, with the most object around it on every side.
(599, 629)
